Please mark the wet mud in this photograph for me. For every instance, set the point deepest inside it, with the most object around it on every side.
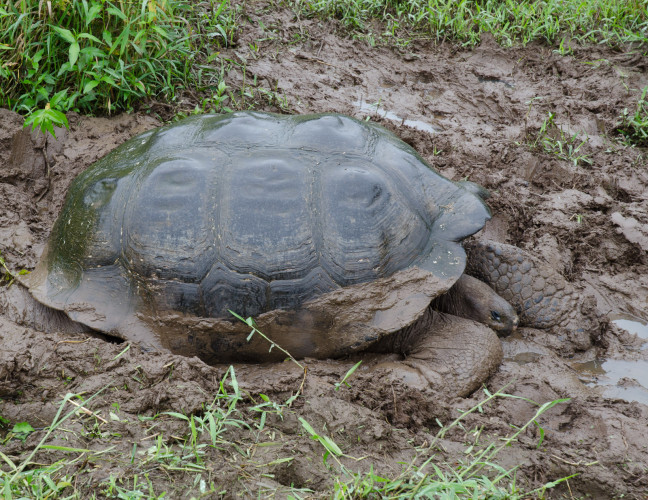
(474, 114)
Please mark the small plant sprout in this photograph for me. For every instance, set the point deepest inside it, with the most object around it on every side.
(346, 376)
(46, 119)
(252, 324)
(331, 447)
(9, 275)
(21, 430)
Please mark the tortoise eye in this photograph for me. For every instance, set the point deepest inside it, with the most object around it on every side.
(496, 316)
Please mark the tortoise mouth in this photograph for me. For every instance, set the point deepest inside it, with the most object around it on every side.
(508, 327)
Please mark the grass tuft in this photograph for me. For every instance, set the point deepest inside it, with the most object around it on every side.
(553, 140)
(479, 476)
(634, 125)
(510, 21)
(100, 57)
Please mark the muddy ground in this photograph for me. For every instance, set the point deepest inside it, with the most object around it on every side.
(472, 113)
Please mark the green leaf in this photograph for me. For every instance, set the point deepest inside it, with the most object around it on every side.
(330, 445)
(116, 12)
(122, 40)
(38, 56)
(64, 33)
(89, 37)
(54, 103)
(107, 37)
(65, 448)
(65, 67)
(93, 52)
(90, 85)
(94, 11)
(308, 428)
(74, 53)
(22, 428)
(8, 460)
(176, 415)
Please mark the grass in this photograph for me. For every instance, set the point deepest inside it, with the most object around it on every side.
(633, 125)
(100, 57)
(228, 434)
(476, 477)
(553, 140)
(510, 21)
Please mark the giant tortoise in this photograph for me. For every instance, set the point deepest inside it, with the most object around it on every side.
(332, 233)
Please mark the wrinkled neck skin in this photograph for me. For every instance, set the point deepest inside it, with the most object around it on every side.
(473, 299)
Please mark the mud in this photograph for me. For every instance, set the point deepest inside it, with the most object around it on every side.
(472, 114)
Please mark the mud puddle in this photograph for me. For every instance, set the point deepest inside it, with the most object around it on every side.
(622, 374)
(616, 378)
(480, 130)
(631, 324)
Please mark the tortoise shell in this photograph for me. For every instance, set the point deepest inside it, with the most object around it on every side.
(265, 215)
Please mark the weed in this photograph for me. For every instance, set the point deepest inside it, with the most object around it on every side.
(222, 433)
(39, 482)
(46, 119)
(130, 489)
(329, 445)
(434, 479)
(218, 416)
(252, 324)
(96, 56)
(346, 376)
(21, 430)
(634, 126)
(553, 140)
(564, 49)
(8, 275)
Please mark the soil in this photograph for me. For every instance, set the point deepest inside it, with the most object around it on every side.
(471, 113)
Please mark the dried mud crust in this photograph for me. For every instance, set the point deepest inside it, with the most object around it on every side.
(589, 221)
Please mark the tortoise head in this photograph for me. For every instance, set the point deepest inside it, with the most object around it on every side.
(473, 299)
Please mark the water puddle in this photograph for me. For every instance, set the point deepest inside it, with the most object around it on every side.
(522, 358)
(631, 324)
(620, 378)
(383, 113)
(625, 379)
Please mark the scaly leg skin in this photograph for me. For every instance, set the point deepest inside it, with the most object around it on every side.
(448, 353)
(541, 296)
